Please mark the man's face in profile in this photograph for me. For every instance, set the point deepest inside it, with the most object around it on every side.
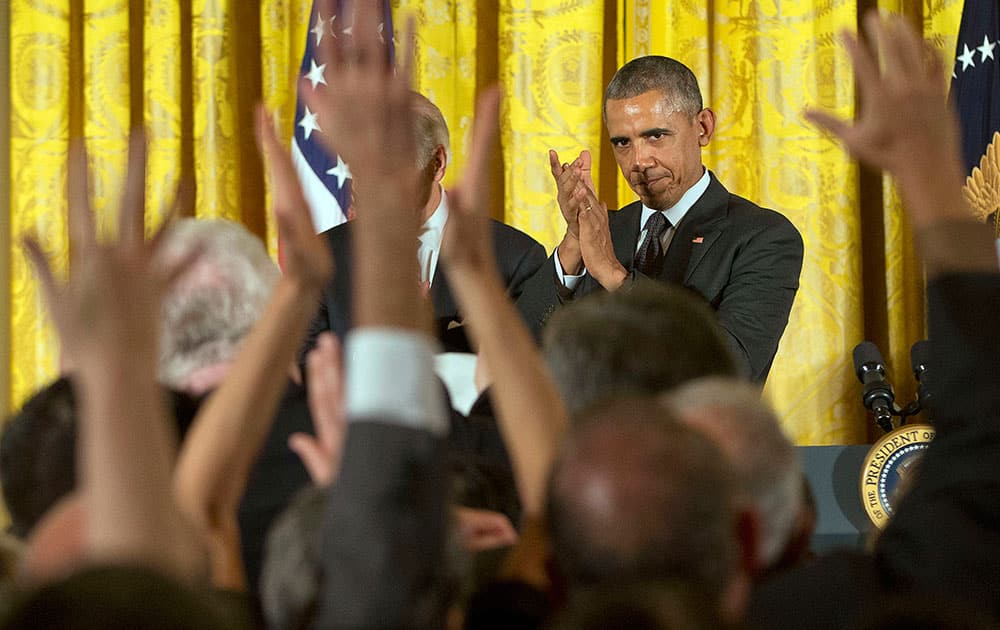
(657, 147)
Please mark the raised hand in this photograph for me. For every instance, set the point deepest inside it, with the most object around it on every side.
(467, 241)
(572, 183)
(106, 314)
(307, 258)
(111, 298)
(905, 125)
(365, 115)
(320, 454)
(597, 248)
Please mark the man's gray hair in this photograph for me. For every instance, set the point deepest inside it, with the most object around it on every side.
(291, 577)
(432, 130)
(663, 74)
(643, 340)
(748, 432)
(214, 304)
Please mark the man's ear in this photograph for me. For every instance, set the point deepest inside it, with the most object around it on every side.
(440, 162)
(705, 122)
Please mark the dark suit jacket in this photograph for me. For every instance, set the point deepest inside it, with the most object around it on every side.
(944, 539)
(385, 531)
(276, 476)
(746, 266)
(518, 256)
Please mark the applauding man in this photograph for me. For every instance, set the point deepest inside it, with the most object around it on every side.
(518, 255)
(685, 229)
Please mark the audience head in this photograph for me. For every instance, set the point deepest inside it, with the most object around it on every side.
(748, 433)
(116, 597)
(669, 77)
(432, 130)
(38, 452)
(432, 144)
(38, 455)
(290, 580)
(637, 496)
(642, 606)
(659, 94)
(642, 341)
(214, 304)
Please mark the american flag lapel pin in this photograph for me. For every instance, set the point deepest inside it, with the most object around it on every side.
(699, 239)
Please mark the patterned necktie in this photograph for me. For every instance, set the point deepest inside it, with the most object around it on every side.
(649, 258)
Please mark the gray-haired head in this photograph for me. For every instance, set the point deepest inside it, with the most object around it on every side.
(291, 577)
(749, 434)
(654, 72)
(432, 130)
(215, 303)
(641, 341)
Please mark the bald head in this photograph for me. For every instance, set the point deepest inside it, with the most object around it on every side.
(636, 495)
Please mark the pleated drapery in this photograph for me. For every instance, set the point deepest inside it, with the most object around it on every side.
(190, 71)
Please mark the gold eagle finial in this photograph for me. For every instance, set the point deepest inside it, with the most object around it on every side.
(982, 187)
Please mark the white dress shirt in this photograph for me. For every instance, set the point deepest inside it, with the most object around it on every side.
(674, 214)
(430, 235)
(390, 378)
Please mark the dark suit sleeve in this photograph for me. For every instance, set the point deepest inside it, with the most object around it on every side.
(520, 268)
(383, 547)
(945, 535)
(758, 297)
(320, 323)
(541, 294)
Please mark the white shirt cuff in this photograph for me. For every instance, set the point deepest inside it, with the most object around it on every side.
(565, 279)
(390, 379)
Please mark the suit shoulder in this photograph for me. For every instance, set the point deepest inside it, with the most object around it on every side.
(509, 236)
(748, 213)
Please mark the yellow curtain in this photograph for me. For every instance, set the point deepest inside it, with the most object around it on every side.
(445, 65)
(204, 63)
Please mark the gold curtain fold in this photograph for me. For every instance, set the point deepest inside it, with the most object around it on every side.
(190, 70)
(39, 128)
(445, 65)
(205, 63)
(5, 242)
(551, 65)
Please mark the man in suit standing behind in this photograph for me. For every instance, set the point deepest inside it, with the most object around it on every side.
(518, 255)
(685, 229)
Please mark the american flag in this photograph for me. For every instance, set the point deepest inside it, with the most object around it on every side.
(975, 83)
(325, 178)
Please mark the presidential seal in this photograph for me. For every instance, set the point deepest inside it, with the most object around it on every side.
(889, 468)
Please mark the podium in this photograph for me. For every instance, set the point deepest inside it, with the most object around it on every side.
(834, 474)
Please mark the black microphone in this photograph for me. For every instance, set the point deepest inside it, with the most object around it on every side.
(920, 354)
(877, 394)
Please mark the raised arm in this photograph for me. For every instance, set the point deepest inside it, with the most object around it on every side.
(385, 529)
(107, 315)
(906, 127)
(220, 448)
(945, 533)
(530, 412)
